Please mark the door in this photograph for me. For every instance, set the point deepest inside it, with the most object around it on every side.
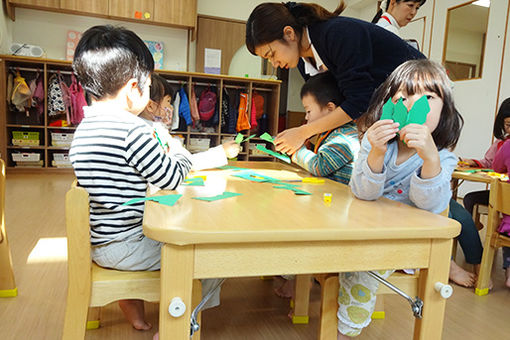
(87, 6)
(176, 12)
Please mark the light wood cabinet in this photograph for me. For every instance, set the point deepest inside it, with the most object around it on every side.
(132, 9)
(49, 147)
(36, 3)
(89, 6)
(176, 12)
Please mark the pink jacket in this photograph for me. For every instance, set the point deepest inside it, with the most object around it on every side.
(486, 162)
(502, 164)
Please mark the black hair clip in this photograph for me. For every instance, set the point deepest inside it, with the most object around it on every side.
(290, 5)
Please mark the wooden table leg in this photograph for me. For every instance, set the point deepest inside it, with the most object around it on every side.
(176, 281)
(430, 327)
(302, 299)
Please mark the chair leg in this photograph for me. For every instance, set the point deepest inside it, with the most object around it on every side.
(482, 285)
(195, 300)
(94, 318)
(328, 322)
(379, 313)
(75, 320)
(302, 299)
(454, 249)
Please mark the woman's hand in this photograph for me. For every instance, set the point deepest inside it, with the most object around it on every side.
(380, 133)
(231, 149)
(467, 162)
(289, 141)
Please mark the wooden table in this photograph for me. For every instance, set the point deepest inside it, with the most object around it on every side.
(269, 231)
(461, 175)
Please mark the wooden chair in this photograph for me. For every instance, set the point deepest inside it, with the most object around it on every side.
(90, 286)
(499, 203)
(329, 297)
(7, 284)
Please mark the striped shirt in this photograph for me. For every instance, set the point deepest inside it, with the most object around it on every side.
(114, 157)
(336, 151)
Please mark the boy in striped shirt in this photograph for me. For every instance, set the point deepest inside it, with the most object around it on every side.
(115, 156)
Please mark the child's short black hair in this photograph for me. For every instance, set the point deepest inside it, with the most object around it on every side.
(160, 88)
(107, 57)
(499, 123)
(323, 88)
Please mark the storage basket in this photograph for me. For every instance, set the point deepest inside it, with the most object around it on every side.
(25, 138)
(26, 157)
(61, 139)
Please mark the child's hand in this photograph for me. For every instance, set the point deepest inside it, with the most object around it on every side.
(231, 149)
(290, 140)
(380, 133)
(419, 138)
(467, 162)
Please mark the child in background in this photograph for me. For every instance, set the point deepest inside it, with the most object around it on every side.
(501, 133)
(158, 114)
(336, 150)
(502, 164)
(115, 156)
(412, 166)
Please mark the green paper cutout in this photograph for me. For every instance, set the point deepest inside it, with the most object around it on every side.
(267, 137)
(239, 138)
(297, 191)
(255, 177)
(278, 155)
(230, 167)
(169, 200)
(387, 110)
(195, 181)
(398, 112)
(226, 194)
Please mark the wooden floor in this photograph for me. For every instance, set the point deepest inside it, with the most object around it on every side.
(249, 309)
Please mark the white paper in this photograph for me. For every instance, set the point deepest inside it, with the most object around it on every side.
(212, 61)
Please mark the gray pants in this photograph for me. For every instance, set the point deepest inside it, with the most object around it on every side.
(141, 253)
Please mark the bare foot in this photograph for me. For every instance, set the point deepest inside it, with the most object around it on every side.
(286, 290)
(460, 276)
(134, 312)
(477, 272)
(156, 336)
(507, 282)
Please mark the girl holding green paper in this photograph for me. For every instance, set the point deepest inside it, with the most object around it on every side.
(407, 162)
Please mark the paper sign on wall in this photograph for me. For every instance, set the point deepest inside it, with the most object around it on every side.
(212, 61)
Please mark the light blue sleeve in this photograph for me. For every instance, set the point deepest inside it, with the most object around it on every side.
(365, 184)
(433, 194)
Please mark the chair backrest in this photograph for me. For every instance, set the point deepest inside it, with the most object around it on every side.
(78, 234)
(499, 198)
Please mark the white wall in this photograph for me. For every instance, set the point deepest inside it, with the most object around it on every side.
(5, 32)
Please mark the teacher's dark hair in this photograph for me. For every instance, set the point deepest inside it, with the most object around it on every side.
(267, 20)
(380, 11)
(499, 123)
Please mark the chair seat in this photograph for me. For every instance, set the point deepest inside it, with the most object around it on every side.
(109, 285)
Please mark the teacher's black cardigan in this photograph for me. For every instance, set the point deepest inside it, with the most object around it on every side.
(360, 55)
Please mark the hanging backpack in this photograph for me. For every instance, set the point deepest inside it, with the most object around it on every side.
(56, 103)
(243, 121)
(77, 96)
(37, 88)
(20, 93)
(207, 104)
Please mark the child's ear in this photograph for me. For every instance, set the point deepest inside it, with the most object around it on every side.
(152, 106)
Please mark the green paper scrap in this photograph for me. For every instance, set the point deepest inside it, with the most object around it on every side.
(230, 167)
(169, 200)
(487, 170)
(297, 191)
(195, 181)
(239, 138)
(398, 112)
(226, 194)
(267, 137)
(278, 155)
(253, 176)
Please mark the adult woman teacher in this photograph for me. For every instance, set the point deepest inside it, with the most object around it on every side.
(360, 56)
(395, 14)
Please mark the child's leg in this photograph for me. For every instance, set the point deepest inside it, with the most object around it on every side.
(475, 197)
(134, 312)
(470, 243)
(506, 265)
(286, 290)
(356, 300)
